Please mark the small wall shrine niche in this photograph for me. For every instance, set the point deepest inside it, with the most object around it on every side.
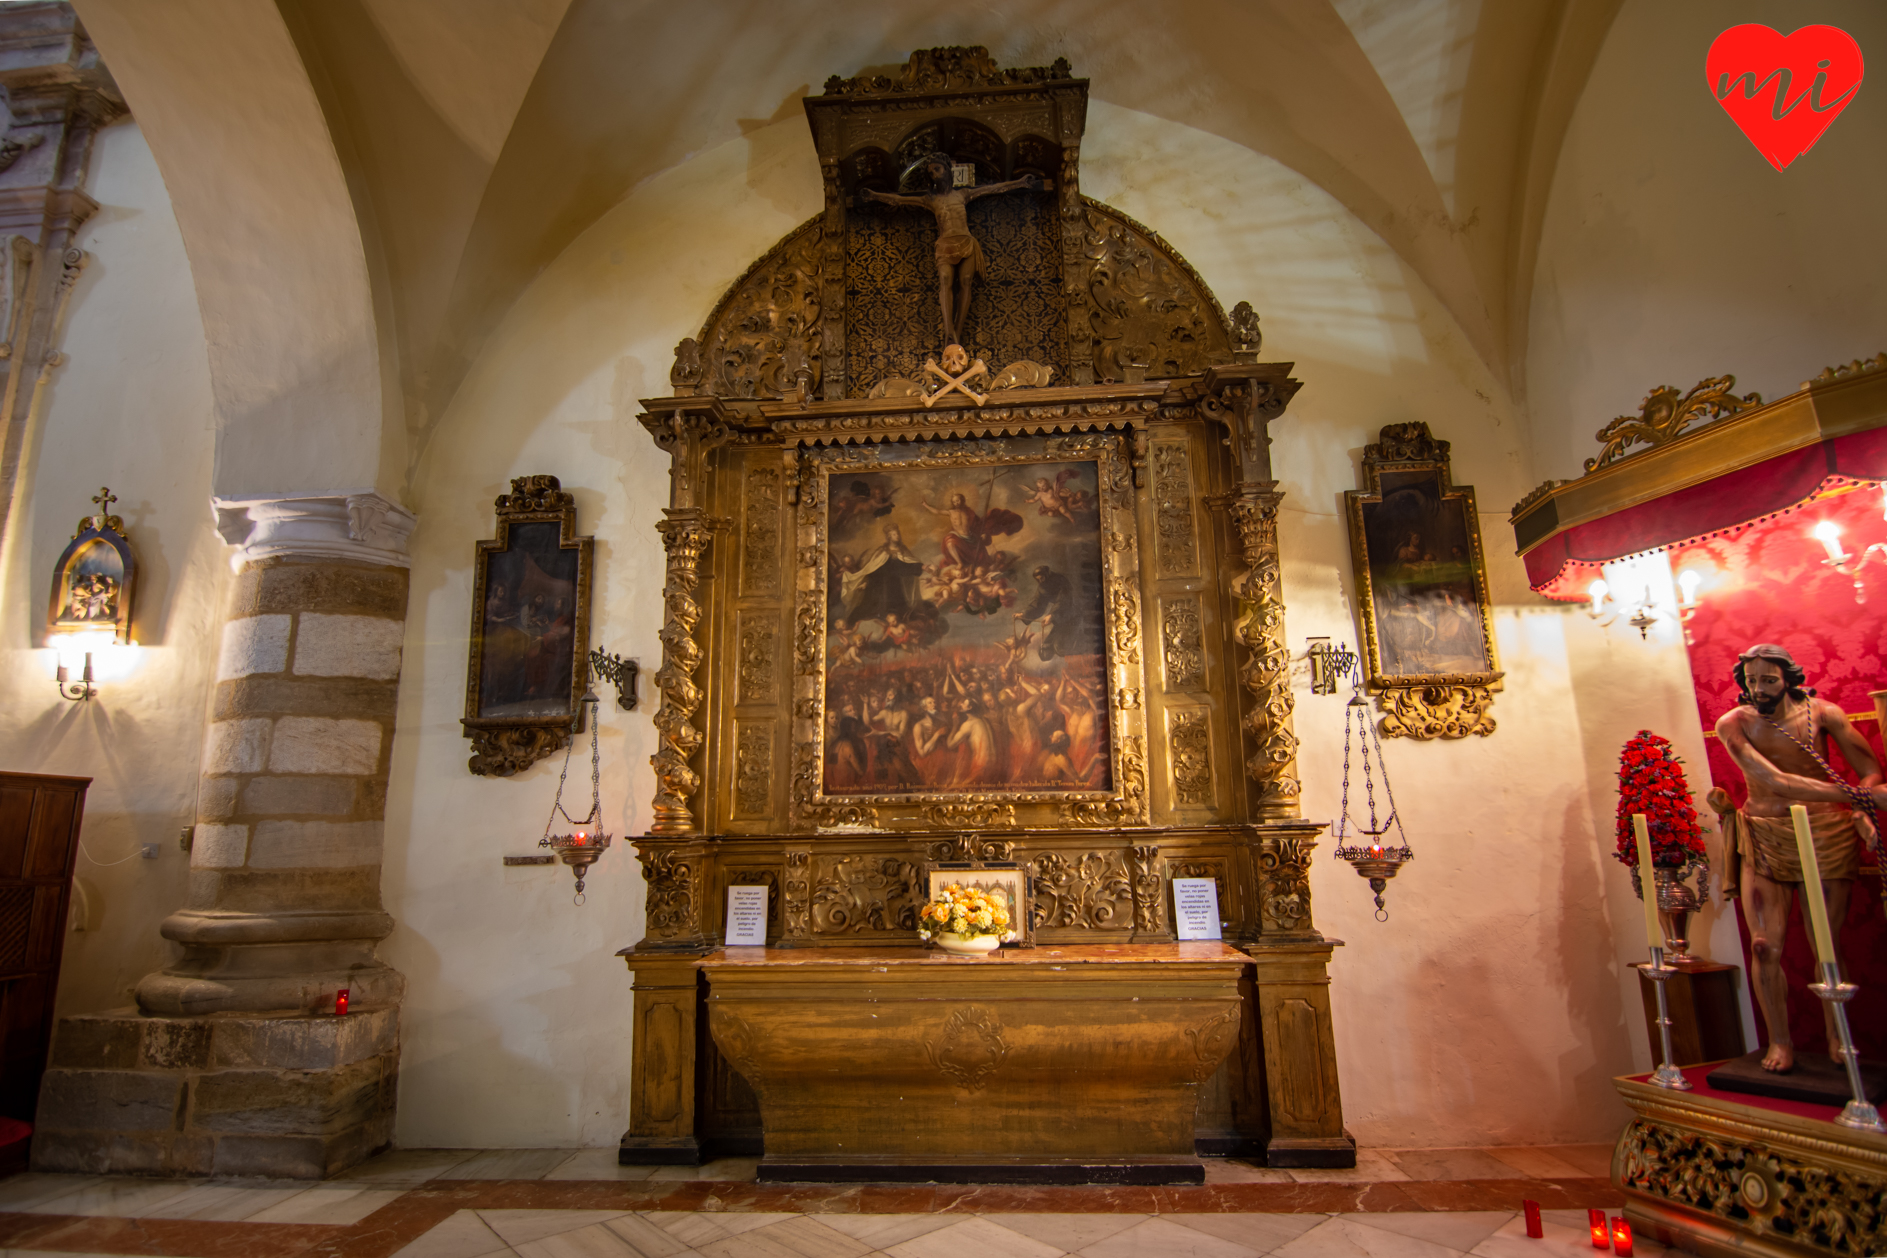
(94, 578)
(1010, 597)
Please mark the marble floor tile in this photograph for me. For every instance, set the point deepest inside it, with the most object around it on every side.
(688, 1227)
(1229, 1171)
(225, 1202)
(509, 1164)
(881, 1231)
(1262, 1232)
(343, 1204)
(732, 1170)
(975, 1235)
(1577, 1219)
(1451, 1164)
(23, 1192)
(1591, 1159)
(1457, 1229)
(799, 1237)
(734, 1222)
(594, 1241)
(1344, 1238)
(116, 1198)
(1539, 1161)
(1163, 1238)
(464, 1235)
(517, 1227)
(1371, 1167)
(1070, 1231)
(597, 1164)
(645, 1239)
(407, 1166)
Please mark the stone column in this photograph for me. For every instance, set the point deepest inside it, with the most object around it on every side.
(234, 1062)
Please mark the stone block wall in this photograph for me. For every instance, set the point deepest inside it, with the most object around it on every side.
(291, 1096)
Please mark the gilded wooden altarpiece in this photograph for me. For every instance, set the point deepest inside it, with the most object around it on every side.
(1085, 539)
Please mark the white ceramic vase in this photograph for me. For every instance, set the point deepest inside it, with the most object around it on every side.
(974, 946)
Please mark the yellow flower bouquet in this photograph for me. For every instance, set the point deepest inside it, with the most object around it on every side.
(965, 919)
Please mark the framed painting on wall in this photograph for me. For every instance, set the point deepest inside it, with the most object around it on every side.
(1421, 589)
(958, 642)
(93, 579)
(529, 655)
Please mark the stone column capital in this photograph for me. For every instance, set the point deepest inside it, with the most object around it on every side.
(361, 527)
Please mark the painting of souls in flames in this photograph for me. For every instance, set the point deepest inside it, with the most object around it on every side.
(964, 631)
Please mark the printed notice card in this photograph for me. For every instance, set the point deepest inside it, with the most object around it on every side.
(747, 917)
(1196, 908)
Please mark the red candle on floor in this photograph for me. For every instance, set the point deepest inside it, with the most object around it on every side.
(1601, 1234)
(1534, 1228)
(1621, 1237)
(340, 1002)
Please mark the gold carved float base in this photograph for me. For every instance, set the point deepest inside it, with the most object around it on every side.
(1722, 1178)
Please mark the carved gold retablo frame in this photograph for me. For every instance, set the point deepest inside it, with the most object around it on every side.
(1421, 590)
(1122, 800)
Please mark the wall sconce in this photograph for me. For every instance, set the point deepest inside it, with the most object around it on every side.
(1328, 664)
(85, 689)
(618, 672)
(1642, 590)
(1849, 565)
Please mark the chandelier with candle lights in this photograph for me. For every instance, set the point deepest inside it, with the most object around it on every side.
(586, 840)
(1369, 852)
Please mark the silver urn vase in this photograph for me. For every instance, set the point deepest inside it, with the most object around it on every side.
(1677, 900)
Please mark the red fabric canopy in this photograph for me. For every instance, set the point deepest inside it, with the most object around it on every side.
(1560, 566)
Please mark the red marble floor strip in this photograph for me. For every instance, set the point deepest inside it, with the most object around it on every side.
(1505, 1194)
(68, 1233)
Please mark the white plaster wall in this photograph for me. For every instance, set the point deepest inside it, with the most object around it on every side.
(1671, 251)
(1490, 1007)
(131, 408)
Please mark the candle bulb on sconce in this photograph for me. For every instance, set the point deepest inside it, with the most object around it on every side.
(1849, 563)
(1828, 533)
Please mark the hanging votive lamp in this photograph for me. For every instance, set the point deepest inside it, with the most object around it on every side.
(1369, 849)
(586, 841)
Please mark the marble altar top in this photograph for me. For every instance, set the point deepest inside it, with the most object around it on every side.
(1192, 951)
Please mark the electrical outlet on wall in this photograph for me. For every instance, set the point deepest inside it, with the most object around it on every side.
(150, 851)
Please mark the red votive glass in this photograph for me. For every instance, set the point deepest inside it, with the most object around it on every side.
(1621, 1237)
(340, 1002)
(1534, 1227)
(1601, 1233)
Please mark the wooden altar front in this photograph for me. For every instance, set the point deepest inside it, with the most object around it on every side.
(850, 526)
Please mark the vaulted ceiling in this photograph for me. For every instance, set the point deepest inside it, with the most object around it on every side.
(465, 143)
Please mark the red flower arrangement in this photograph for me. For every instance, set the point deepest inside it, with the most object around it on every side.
(1651, 781)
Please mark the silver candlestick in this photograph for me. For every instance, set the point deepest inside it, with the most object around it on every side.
(1667, 1075)
(1858, 1113)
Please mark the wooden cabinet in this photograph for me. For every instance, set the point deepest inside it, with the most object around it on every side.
(39, 841)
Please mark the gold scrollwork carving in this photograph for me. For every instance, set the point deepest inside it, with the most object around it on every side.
(1266, 671)
(1436, 711)
(796, 902)
(685, 536)
(1211, 1041)
(842, 817)
(1150, 315)
(981, 815)
(1092, 891)
(1124, 605)
(1665, 414)
(502, 751)
(753, 769)
(1848, 370)
(1189, 744)
(851, 894)
(970, 847)
(1284, 884)
(757, 668)
(760, 546)
(968, 1048)
(1131, 807)
(1173, 509)
(1149, 889)
(1758, 1189)
(769, 317)
(674, 907)
(1182, 638)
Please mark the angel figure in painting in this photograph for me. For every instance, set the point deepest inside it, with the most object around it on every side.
(959, 257)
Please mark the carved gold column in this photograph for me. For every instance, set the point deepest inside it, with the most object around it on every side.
(685, 537)
(1265, 672)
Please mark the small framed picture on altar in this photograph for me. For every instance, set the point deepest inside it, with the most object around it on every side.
(1004, 883)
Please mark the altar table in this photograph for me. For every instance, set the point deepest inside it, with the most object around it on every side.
(1043, 1065)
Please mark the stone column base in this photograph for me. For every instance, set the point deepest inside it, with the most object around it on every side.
(290, 1096)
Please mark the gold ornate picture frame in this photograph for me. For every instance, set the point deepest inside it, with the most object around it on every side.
(1421, 590)
(1008, 880)
(94, 578)
(893, 537)
(530, 634)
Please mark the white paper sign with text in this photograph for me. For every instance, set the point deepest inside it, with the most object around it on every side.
(1196, 908)
(747, 917)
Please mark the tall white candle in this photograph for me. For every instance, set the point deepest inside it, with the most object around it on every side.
(1647, 882)
(1811, 884)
